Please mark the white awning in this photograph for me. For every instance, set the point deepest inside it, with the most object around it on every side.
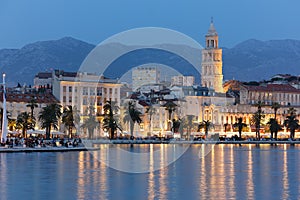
(57, 133)
(36, 132)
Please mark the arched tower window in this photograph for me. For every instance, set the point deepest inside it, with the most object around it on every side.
(212, 43)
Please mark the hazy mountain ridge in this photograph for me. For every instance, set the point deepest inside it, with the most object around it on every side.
(21, 65)
(257, 60)
(249, 60)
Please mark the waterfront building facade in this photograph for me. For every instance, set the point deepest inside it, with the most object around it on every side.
(17, 101)
(82, 90)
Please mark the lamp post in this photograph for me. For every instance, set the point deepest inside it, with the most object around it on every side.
(4, 117)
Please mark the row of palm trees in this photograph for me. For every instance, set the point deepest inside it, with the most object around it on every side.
(50, 117)
(111, 123)
(291, 122)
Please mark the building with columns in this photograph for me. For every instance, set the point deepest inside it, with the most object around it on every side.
(84, 89)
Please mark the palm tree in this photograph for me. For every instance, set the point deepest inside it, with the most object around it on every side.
(76, 116)
(24, 122)
(274, 127)
(150, 111)
(132, 115)
(257, 119)
(90, 123)
(170, 106)
(49, 117)
(12, 124)
(176, 125)
(32, 104)
(206, 124)
(275, 107)
(189, 124)
(226, 125)
(291, 122)
(109, 122)
(68, 119)
(240, 125)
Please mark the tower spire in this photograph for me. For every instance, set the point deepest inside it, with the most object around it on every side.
(212, 30)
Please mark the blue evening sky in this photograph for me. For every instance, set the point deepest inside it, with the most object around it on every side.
(26, 21)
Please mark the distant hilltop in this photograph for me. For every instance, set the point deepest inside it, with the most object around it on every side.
(251, 60)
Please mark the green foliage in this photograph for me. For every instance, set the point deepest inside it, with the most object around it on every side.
(170, 106)
(206, 124)
(150, 110)
(274, 127)
(68, 119)
(240, 125)
(32, 104)
(291, 122)
(132, 116)
(24, 122)
(189, 124)
(257, 118)
(275, 107)
(109, 121)
(90, 123)
(49, 117)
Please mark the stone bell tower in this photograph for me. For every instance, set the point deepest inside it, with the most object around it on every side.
(211, 73)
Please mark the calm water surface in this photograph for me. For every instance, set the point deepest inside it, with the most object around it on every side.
(227, 172)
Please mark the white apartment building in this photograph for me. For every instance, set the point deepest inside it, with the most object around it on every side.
(84, 89)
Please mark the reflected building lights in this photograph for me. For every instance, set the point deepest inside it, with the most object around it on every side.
(285, 176)
(102, 176)
(81, 177)
(250, 185)
(151, 182)
(3, 176)
(163, 190)
(221, 177)
(203, 176)
(213, 179)
(231, 191)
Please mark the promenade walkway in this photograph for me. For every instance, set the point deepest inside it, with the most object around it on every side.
(45, 149)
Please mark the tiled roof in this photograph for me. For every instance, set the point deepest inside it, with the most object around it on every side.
(143, 103)
(69, 74)
(273, 88)
(40, 98)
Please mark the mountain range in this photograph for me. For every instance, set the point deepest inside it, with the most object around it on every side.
(247, 61)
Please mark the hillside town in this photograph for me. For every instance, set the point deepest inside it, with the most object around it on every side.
(86, 105)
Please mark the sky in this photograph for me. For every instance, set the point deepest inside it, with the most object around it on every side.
(27, 21)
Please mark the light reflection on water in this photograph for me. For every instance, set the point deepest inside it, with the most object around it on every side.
(227, 172)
